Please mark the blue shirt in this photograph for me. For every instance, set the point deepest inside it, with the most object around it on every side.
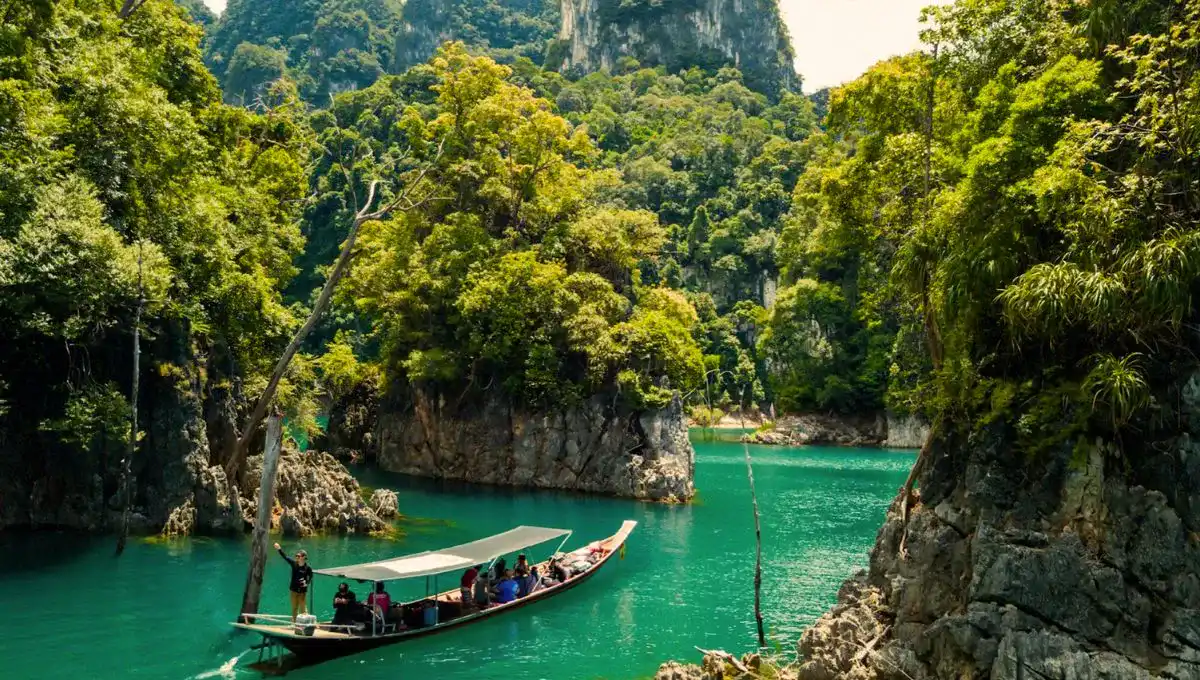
(506, 591)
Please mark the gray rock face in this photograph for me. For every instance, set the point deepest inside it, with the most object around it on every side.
(821, 429)
(179, 486)
(892, 431)
(905, 431)
(747, 34)
(185, 492)
(352, 424)
(384, 503)
(1075, 564)
(595, 448)
(316, 495)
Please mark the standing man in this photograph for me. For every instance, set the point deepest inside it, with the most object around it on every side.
(301, 576)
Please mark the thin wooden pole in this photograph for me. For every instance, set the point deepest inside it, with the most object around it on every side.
(758, 619)
(131, 446)
(262, 524)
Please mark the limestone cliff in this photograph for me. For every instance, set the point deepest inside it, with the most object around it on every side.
(678, 34)
(1076, 563)
(905, 431)
(597, 447)
(189, 417)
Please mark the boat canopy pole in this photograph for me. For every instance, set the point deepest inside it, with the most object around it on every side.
(560, 545)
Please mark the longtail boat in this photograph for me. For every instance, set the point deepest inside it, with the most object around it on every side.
(287, 645)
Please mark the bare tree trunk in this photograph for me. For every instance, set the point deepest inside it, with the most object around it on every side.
(262, 524)
(708, 417)
(129, 7)
(400, 201)
(234, 464)
(131, 446)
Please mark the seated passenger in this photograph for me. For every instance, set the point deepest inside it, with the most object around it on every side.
(557, 571)
(530, 583)
(467, 583)
(506, 590)
(521, 568)
(483, 591)
(498, 570)
(380, 597)
(345, 605)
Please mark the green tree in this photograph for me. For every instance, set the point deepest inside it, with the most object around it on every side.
(115, 148)
(520, 277)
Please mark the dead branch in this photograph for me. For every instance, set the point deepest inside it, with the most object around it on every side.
(403, 202)
(129, 7)
(727, 658)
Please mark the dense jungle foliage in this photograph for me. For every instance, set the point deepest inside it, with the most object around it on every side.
(699, 167)
(123, 177)
(1001, 228)
(516, 271)
(1037, 232)
(998, 227)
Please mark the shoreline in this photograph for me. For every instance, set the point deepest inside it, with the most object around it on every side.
(810, 444)
(883, 430)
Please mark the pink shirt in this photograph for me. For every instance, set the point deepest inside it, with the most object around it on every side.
(382, 599)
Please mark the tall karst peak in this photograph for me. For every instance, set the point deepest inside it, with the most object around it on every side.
(678, 34)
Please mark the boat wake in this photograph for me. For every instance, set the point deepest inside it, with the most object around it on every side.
(227, 669)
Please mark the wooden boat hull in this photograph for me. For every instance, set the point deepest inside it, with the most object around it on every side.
(325, 646)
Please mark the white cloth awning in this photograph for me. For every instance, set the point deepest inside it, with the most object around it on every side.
(458, 557)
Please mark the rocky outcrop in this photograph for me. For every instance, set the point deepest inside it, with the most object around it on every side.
(597, 447)
(419, 36)
(183, 491)
(174, 481)
(384, 503)
(724, 666)
(502, 29)
(1078, 563)
(905, 431)
(678, 34)
(314, 494)
(189, 419)
(353, 420)
(821, 429)
(816, 429)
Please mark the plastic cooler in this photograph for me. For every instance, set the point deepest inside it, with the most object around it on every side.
(306, 624)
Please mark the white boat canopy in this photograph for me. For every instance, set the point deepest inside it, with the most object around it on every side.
(458, 557)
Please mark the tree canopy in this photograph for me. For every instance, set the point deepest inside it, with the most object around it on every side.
(122, 176)
(1022, 205)
(1001, 227)
(519, 272)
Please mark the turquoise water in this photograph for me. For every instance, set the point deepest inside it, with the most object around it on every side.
(71, 610)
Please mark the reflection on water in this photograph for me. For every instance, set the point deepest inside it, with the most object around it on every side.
(160, 611)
